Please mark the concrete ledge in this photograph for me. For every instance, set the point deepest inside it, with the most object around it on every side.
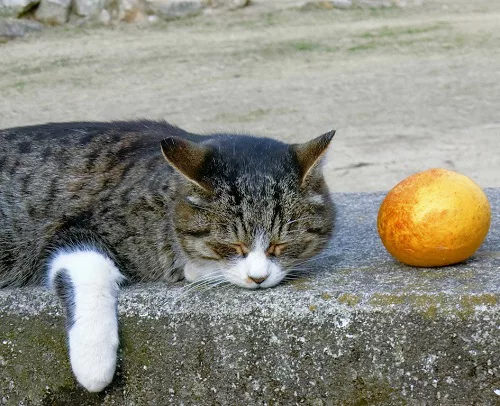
(361, 329)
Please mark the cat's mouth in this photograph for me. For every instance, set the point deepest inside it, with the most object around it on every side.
(253, 283)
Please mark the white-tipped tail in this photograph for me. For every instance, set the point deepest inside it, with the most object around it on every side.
(93, 333)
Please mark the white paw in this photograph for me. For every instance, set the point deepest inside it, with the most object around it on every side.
(93, 355)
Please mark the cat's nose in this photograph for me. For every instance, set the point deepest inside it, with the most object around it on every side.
(258, 281)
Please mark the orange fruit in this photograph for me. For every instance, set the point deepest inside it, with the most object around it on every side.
(434, 218)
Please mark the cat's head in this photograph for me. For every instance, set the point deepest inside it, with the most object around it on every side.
(248, 210)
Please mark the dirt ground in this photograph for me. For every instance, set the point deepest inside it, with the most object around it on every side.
(407, 89)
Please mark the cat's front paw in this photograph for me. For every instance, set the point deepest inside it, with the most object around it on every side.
(93, 356)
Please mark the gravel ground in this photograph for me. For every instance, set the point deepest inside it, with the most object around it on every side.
(407, 89)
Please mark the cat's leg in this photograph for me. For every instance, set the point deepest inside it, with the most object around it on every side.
(87, 281)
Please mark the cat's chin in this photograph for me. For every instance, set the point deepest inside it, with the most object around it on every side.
(254, 286)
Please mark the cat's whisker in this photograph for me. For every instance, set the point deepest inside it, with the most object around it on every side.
(301, 272)
(291, 278)
(203, 289)
(303, 218)
(214, 286)
(313, 259)
(200, 284)
(195, 287)
(206, 277)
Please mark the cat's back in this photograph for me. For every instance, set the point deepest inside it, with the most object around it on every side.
(82, 148)
(84, 173)
(46, 139)
(74, 160)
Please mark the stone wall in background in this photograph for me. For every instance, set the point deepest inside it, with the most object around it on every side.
(18, 17)
(56, 12)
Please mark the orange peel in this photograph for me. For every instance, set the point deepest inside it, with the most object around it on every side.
(434, 218)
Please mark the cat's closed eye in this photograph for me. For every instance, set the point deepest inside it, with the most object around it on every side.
(276, 249)
(228, 250)
(241, 249)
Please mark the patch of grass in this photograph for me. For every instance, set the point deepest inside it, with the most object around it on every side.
(20, 85)
(50, 65)
(364, 47)
(394, 37)
(393, 32)
(293, 47)
(270, 19)
(305, 46)
(28, 70)
(385, 37)
(63, 62)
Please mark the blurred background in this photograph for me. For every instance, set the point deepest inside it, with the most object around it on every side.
(408, 85)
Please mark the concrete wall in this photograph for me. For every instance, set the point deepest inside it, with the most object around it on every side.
(361, 329)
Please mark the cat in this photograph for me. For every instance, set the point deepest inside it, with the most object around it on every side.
(88, 206)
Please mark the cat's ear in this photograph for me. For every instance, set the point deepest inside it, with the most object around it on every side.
(310, 153)
(187, 158)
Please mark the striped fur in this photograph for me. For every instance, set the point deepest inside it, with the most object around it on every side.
(85, 205)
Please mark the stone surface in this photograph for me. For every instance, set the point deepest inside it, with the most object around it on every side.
(12, 28)
(104, 17)
(14, 8)
(321, 4)
(53, 12)
(131, 10)
(171, 9)
(359, 329)
(85, 8)
(229, 4)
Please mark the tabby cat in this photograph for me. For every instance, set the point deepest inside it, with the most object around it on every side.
(86, 207)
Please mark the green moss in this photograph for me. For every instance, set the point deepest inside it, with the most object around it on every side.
(30, 352)
(427, 305)
(326, 296)
(371, 390)
(431, 306)
(469, 303)
(386, 299)
(349, 299)
(131, 337)
(301, 284)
